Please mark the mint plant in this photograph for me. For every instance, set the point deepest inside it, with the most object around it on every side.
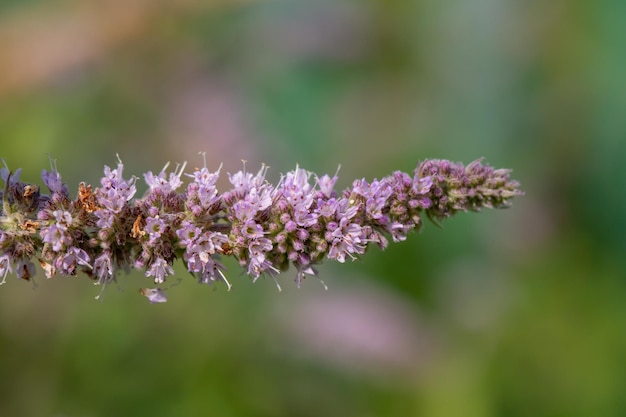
(297, 223)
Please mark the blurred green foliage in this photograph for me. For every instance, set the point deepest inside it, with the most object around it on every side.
(509, 313)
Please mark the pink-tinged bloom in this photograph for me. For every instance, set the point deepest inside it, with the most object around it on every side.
(422, 185)
(161, 182)
(53, 181)
(56, 236)
(188, 233)
(63, 219)
(326, 185)
(202, 193)
(72, 259)
(25, 269)
(346, 240)
(159, 269)
(154, 295)
(154, 227)
(5, 267)
(243, 181)
(204, 177)
(103, 268)
(116, 191)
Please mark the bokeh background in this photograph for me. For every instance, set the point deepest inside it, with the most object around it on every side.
(504, 313)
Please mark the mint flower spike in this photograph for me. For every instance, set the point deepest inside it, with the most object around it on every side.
(298, 223)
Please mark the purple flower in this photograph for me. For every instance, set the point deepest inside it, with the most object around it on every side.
(154, 227)
(204, 177)
(159, 269)
(376, 196)
(161, 182)
(421, 186)
(398, 231)
(244, 211)
(199, 258)
(187, 233)
(53, 181)
(105, 219)
(15, 176)
(346, 240)
(72, 259)
(25, 269)
(295, 186)
(203, 187)
(251, 230)
(5, 267)
(154, 295)
(328, 208)
(243, 181)
(326, 185)
(116, 191)
(56, 235)
(103, 268)
(63, 218)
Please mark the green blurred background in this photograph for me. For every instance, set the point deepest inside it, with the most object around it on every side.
(504, 313)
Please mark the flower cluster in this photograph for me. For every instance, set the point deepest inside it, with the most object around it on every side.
(268, 228)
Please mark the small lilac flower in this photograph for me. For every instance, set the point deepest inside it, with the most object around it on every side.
(5, 267)
(103, 268)
(327, 208)
(116, 191)
(25, 269)
(56, 235)
(199, 258)
(326, 184)
(154, 295)
(303, 217)
(422, 186)
(161, 182)
(15, 177)
(204, 247)
(63, 219)
(260, 265)
(212, 272)
(113, 200)
(155, 227)
(346, 241)
(347, 208)
(295, 187)
(398, 231)
(188, 233)
(105, 219)
(243, 181)
(159, 269)
(244, 211)
(205, 181)
(72, 259)
(258, 247)
(259, 199)
(251, 230)
(53, 181)
(376, 197)
(290, 226)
